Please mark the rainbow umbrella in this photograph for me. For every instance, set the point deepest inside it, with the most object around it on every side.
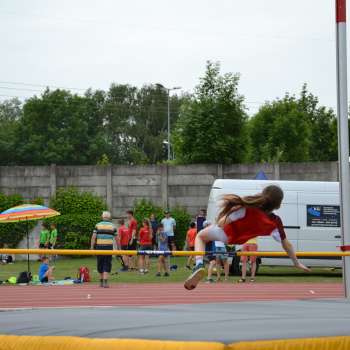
(27, 212)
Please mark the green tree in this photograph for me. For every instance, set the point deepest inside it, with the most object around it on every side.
(10, 115)
(280, 132)
(135, 122)
(293, 130)
(323, 125)
(212, 123)
(149, 129)
(118, 111)
(60, 128)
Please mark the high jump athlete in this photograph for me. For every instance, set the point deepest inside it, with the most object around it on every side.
(241, 219)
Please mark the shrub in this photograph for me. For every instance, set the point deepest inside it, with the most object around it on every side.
(144, 208)
(71, 201)
(80, 211)
(183, 220)
(12, 233)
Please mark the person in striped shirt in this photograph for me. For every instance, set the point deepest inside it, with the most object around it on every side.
(102, 239)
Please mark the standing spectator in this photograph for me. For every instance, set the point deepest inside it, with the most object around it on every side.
(44, 238)
(169, 225)
(145, 239)
(154, 226)
(123, 242)
(53, 236)
(249, 246)
(162, 239)
(200, 219)
(52, 239)
(102, 239)
(132, 226)
(190, 238)
(220, 258)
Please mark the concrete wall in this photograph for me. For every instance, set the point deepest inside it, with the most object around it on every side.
(120, 186)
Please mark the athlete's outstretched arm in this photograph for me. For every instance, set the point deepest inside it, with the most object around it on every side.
(288, 247)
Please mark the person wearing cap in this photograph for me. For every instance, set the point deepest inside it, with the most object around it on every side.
(102, 239)
(169, 225)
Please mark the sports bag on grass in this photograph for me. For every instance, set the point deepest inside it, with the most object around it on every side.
(24, 277)
(84, 274)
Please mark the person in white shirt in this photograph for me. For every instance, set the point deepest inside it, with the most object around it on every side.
(169, 225)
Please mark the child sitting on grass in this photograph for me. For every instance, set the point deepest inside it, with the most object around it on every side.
(45, 271)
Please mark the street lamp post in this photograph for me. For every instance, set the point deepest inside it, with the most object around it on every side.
(168, 94)
(165, 142)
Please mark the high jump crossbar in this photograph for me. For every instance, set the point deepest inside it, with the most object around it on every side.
(161, 252)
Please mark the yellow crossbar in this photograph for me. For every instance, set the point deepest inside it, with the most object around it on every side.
(173, 253)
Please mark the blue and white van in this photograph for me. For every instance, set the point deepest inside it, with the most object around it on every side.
(310, 213)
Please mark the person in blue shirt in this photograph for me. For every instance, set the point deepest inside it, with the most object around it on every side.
(154, 225)
(45, 271)
(200, 219)
(163, 245)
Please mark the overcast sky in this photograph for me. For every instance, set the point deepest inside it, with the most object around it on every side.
(276, 45)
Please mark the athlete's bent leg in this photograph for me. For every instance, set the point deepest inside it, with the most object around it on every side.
(210, 233)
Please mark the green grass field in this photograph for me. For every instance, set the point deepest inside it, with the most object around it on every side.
(68, 268)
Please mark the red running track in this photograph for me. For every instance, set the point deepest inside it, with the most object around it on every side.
(89, 295)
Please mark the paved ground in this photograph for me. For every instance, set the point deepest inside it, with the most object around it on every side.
(157, 294)
(219, 312)
(225, 322)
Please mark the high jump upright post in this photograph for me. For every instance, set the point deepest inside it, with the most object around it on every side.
(343, 135)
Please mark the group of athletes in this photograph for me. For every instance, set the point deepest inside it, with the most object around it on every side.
(240, 220)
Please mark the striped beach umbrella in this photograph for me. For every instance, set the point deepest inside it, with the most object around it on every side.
(27, 212)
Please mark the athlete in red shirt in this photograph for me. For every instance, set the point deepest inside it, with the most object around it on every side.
(145, 240)
(132, 226)
(123, 242)
(243, 218)
(190, 239)
(123, 235)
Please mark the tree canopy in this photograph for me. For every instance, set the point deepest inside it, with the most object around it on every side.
(128, 125)
(212, 122)
(293, 129)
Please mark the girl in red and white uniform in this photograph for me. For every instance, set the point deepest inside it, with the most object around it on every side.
(241, 219)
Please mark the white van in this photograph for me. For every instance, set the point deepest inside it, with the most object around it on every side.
(310, 213)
